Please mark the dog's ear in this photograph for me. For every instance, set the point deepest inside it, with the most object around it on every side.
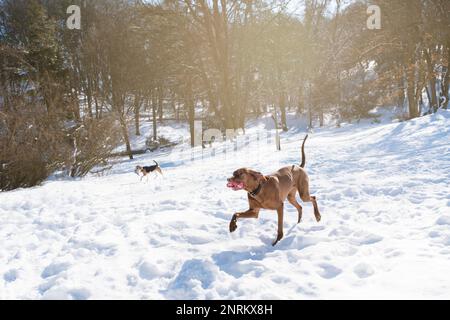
(258, 176)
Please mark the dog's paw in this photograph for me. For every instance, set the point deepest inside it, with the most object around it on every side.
(233, 226)
(279, 237)
(318, 218)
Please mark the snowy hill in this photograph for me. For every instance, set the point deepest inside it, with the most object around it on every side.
(383, 191)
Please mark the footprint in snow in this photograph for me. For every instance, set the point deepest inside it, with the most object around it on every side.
(54, 269)
(361, 239)
(10, 275)
(132, 280)
(443, 221)
(148, 270)
(363, 270)
(66, 294)
(328, 271)
(193, 273)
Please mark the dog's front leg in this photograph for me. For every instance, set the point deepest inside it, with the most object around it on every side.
(250, 213)
(280, 224)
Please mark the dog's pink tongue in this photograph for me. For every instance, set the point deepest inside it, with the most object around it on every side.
(235, 186)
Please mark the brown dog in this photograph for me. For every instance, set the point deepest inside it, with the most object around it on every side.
(270, 192)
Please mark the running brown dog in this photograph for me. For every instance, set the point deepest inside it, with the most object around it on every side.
(270, 192)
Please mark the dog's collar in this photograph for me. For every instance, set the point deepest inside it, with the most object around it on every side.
(255, 192)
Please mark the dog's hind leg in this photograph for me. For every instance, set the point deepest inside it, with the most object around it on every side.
(316, 208)
(293, 201)
(306, 197)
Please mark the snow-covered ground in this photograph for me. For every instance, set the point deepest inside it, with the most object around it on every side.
(383, 190)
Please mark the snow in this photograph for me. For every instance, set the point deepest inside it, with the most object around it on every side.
(383, 191)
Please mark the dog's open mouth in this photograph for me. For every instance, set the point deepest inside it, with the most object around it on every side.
(235, 185)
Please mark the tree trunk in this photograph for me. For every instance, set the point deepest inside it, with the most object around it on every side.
(89, 96)
(277, 134)
(310, 117)
(137, 110)
(429, 100)
(174, 108)
(412, 102)
(123, 126)
(432, 80)
(282, 103)
(154, 106)
(189, 101)
(420, 104)
(160, 103)
(300, 105)
(212, 97)
(97, 115)
(76, 106)
(215, 24)
(446, 82)
(245, 107)
(230, 119)
(101, 110)
(308, 100)
(401, 93)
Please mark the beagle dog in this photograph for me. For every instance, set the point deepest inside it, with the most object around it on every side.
(145, 171)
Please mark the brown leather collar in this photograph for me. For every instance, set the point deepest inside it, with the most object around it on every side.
(255, 192)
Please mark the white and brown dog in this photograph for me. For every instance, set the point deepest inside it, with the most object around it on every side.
(145, 171)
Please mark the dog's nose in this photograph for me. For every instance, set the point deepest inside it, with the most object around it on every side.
(229, 179)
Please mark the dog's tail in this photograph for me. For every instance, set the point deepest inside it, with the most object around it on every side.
(158, 168)
(303, 153)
